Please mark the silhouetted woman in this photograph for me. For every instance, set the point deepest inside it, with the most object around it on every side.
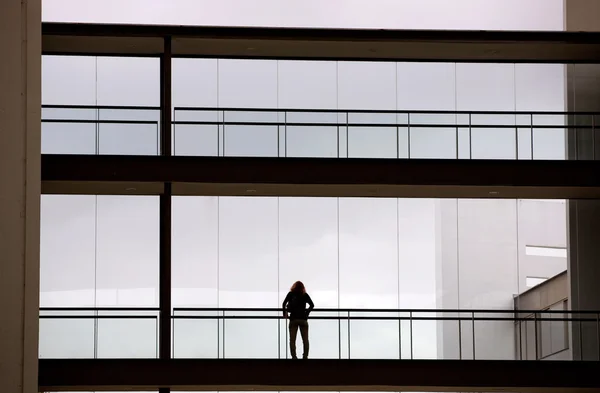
(295, 304)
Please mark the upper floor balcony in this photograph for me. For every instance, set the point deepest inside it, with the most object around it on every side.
(322, 133)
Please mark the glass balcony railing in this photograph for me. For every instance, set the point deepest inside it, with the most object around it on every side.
(217, 333)
(98, 333)
(235, 132)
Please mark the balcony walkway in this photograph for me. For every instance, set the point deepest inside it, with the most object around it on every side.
(319, 375)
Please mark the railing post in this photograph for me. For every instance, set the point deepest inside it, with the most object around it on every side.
(459, 337)
(598, 334)
(411, 336)
(535, 327)
(349, 335)
(531, 120)
(408, 137)
(473, 324)
(470, 140)
(340, 335)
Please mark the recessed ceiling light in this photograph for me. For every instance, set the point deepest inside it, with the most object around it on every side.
(250, 190)
(494, 193)
(130, 189)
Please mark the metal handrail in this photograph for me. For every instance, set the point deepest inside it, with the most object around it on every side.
(389, 310)
(375, 111)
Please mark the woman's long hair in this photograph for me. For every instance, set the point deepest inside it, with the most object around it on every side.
(298, 287)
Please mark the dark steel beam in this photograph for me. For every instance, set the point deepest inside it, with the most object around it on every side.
(322, 375)
(322, 44)
(165, 204)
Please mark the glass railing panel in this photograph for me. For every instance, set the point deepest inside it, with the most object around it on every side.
(432, 143)
(493, 143)
(68, 138)
(494, 336)
(196, 140)
(67, 335)
(492, 119)
(374, 335)
(251, 334)
(433, 119)
(250, 116)
(251, 141)
(363, 118)
(140, 139)
(423, 330)
(128, 337)
(310, 141)
(148, 114)
(197, 115)
(333, 118)
(324, 336)
(197, 334)
(70, 113)
(549, 143)
(373, 142)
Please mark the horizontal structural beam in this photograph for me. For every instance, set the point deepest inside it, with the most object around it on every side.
(322, 375)
(322, 44)
(86, 174)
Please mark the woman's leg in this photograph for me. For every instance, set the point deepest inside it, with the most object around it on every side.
(293, 334)
(304, 334)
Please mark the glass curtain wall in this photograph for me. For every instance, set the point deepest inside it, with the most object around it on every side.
(368, 253)
(306, 85)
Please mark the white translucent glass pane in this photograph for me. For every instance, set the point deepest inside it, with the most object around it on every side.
(424, 344)
(69, 80)
(66, 338)
(251, 339)
(495, 340)
(128, 81)
(247, 83)
(196, 338)
(374, 89)
(308, 248)
(368, 232)
(311, 141)
(195, 252)
(432, 142)
(417, 219)
(196, 140)
(195, 82)
(67, 251)
(549, 144)
(248, 254)
(487, 241)
(128, 139)
(486, 87)
(542, 239)
(127, 338)
(323, 336)
(251, 141)
(376, 142)
(493, 143)
(149, 114)
(540, 87)
(426, 86)
(307, 84)
(68, 138)
(374, 339)
(127, 251)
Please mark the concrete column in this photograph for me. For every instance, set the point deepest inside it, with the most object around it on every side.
(583, 94)
(20, 96)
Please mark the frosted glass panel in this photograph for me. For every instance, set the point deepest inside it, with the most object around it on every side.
(375, 89)
(129, 139)
(127, 338)
(253, 141)
(307, 84)
(128, 81)
(368, 232)
(247, 83)
(66, 338)
(195, 82)
(195, 253)
(311, 141)
(127, 251)
(65, 138)
(67, 267)
(196, 140)
(248, 254)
